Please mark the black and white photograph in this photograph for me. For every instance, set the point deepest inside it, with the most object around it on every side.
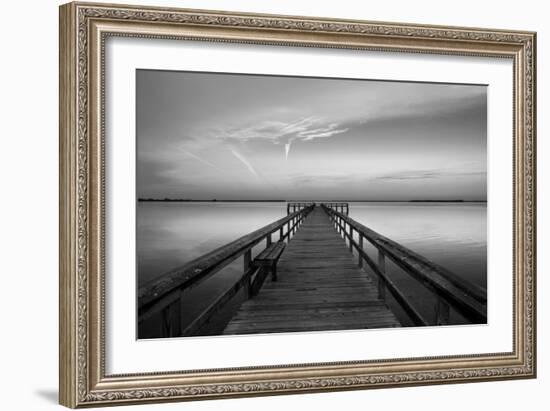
(279, 204)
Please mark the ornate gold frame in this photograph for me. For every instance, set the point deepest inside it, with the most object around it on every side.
(83, 30)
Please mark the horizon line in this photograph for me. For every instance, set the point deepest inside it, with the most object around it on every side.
(309, 200)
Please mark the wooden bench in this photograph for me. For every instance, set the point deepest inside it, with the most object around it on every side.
(266, 261)
(269, 258)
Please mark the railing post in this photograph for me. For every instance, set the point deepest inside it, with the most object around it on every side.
(171, 320)
(381, 281)
(165, 322)
(344, 228)
(442, 312)
(247, 259)
(360, 250)
(182, 313)
(268, 240)
(350, 238)
(281, 233)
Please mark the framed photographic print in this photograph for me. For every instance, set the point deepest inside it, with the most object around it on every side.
(260, 204)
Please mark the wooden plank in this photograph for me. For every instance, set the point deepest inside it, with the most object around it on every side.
(320, 287)
(303, 327)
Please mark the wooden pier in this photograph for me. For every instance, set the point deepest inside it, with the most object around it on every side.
(317, 283)
(319, 287)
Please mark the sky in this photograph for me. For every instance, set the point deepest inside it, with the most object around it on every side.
(210, 136)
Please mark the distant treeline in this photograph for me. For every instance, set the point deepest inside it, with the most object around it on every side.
(447, 201)
(188, 200)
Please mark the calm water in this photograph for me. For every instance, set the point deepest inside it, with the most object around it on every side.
(171, 234)
(453, 235)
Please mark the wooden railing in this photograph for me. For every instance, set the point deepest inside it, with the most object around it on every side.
(293, 206)
(450, 291)
(160, 302)
(340, 207)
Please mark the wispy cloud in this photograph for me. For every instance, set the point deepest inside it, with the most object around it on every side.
(427, 174)
(282, 132)
(305, 128)
(243, 160)
(323, 132)
(321, 179)
(287, 150)
(201, 160)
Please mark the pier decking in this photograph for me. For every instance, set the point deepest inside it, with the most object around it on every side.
(319, 287)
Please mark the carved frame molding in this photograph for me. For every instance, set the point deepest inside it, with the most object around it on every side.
(83, 30)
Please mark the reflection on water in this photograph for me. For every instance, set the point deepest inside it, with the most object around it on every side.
(171, 234)
(453, 235)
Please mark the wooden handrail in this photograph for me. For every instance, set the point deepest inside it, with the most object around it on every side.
(216, 305)
(337, 206)
(293, 206)
(165, 290)
(468, 299)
